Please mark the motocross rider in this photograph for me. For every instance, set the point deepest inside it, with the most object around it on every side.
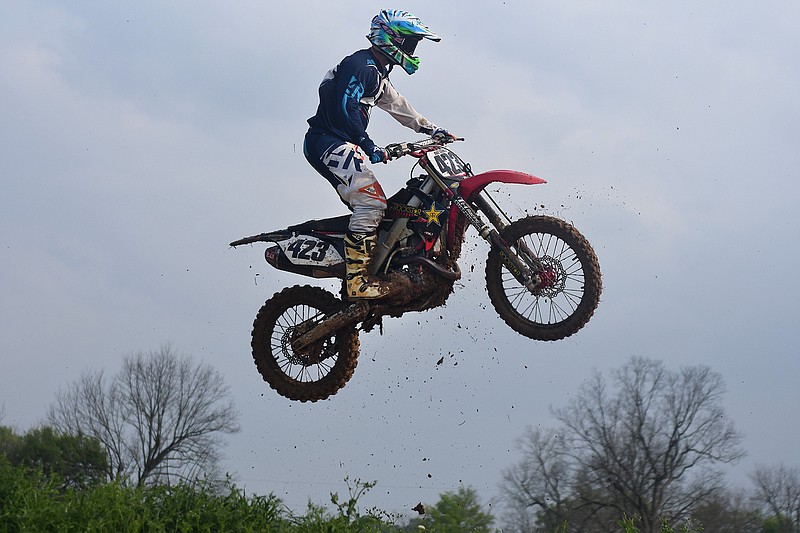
(337, 144)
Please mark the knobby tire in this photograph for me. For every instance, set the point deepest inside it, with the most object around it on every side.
(565, 309)
(291, 374)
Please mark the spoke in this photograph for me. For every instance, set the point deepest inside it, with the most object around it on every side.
(301, 372)
(537, 311)
(573, 296)
(565, 291)
(557, 313)
(291, 364)
(532, 308)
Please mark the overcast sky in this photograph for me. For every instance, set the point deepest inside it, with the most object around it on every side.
(139, 138)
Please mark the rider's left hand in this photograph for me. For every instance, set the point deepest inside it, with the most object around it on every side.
(378, 155)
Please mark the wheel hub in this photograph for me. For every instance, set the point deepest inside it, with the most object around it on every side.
(552, 277)
(312, 354)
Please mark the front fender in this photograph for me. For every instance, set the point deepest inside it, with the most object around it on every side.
(474, 184)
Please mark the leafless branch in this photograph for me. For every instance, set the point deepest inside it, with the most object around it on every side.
(160, 418)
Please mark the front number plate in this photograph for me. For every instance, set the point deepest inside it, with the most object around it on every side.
(447, 163)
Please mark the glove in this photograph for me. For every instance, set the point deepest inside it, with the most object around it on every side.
(378, 155)
(441, 133)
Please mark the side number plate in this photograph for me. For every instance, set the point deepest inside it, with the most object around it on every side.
(308, 250)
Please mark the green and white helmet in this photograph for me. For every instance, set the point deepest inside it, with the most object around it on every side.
(396, 34)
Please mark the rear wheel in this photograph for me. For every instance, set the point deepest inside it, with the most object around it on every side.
(316, 372)
(570, 285)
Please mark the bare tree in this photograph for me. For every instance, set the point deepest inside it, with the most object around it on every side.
(160, 418)
(778, 492)
(536, 490)
(643, 446)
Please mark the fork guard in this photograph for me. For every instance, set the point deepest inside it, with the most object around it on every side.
(472, 185)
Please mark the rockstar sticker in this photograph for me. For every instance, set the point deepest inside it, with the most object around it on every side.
(433, 214)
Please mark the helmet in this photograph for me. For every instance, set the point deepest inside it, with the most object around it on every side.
(396, 34)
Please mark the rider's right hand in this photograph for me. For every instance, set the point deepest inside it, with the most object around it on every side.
(378, 155)
(441, 133)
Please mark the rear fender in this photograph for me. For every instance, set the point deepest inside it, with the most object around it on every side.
(328, 227)
(314, 248)
(310, 254)
(273, 236)
(471, 186)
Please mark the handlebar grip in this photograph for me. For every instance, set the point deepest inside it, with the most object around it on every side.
(396, 150)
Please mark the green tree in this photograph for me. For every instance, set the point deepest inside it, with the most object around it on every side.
(76, 461)
(9, 441)
(455, 512)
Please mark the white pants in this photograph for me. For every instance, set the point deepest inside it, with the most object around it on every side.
(357, 186)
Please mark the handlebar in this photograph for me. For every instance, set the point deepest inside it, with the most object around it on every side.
(396, 150)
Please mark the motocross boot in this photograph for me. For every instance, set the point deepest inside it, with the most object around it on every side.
(359, 283)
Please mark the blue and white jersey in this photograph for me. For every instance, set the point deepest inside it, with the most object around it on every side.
(348, 93)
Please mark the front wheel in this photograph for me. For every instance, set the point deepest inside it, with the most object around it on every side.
(318, 371)
(570, 283)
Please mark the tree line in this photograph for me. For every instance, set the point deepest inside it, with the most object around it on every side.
(647, 445)
(640, 450)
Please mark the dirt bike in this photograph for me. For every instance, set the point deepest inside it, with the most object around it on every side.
(542, 275)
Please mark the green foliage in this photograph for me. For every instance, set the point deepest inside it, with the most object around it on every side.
(348, 517)
(52, 482)
(9, 441)
(26, 499)
(629, 525)
(31, 501)
(456, 512)
(777, 524)
(77, 460)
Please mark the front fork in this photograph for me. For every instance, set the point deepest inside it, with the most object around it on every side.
(525, 271)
